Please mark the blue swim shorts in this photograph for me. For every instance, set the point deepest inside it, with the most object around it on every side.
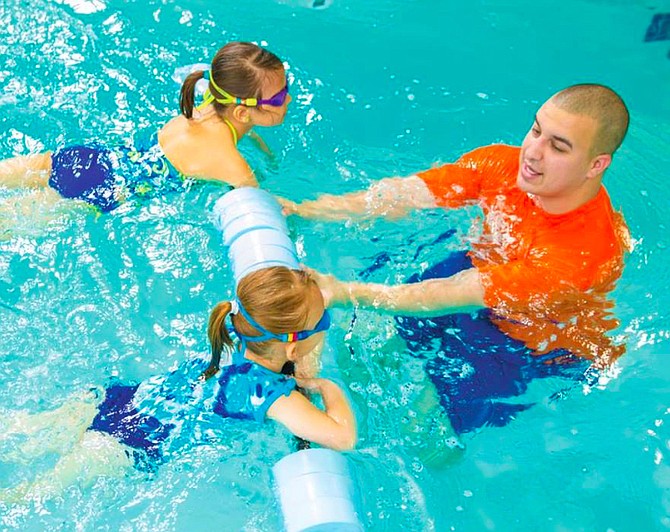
(481, 374)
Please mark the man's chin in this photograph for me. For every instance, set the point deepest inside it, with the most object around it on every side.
(522, 183)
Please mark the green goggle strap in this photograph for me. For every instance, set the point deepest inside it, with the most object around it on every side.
(227, 98)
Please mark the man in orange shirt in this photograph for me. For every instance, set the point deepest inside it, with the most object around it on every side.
(551, 245)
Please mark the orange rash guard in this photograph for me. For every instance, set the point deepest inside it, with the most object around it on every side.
(540, 272)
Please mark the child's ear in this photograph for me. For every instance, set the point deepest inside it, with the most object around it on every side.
(241, 114)
(292, 351)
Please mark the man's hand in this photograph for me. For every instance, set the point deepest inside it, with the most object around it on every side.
(334, 291)
(288, 207)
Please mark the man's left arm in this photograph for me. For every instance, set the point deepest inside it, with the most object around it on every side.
(432, 297)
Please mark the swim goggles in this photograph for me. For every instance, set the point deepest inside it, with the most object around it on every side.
(276, 100)
(322, 325)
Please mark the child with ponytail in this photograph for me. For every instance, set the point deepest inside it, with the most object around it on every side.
(247, 87)
(279, 320)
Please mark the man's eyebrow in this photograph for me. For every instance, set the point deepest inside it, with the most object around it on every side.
(563, 140)
(557, 138)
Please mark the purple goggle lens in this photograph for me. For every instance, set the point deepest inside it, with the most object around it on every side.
(277, 100)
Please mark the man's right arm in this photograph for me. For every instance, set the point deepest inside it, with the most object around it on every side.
(392, 197)
(448, 185)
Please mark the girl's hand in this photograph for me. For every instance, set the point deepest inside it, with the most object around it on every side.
(335, 427)
(310, 384)
(261, 143)
(309, 365)
(323, 387)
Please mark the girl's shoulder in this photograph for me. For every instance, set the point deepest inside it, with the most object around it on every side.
(197, 147)
(247, 390)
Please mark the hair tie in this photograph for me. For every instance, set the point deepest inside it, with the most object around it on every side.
(205, 75)
(234, 307)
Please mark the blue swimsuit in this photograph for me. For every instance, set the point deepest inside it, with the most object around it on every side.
(247, 390)
(143, 416)
(105, 177)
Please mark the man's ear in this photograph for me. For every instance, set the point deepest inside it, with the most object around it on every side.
(599, 164)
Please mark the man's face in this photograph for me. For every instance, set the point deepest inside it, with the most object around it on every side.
(556, 156)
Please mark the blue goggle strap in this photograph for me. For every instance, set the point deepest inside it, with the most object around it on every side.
(266, 335)
(324, 324)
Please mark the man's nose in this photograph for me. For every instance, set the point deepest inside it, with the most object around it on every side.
(534, 149)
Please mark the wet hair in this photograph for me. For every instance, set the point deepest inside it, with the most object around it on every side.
(603, 105)
(276, 298)
(239, 68)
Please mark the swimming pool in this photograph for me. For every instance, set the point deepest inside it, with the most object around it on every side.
(380, 88)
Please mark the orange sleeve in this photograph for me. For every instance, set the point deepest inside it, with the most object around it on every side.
(453, 185)
(548, 273)
(516, 282)
(586, 254)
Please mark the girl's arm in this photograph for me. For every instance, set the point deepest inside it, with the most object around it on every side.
(258, 140)
(232, 169)
(335, 428)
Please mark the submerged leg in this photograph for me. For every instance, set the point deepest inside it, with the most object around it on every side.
(427, 430)
(52, 431)
(30, 212)
(415, 418)
(96, 455)
(27, 171)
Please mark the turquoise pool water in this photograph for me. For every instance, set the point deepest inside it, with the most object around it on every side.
(380, 88)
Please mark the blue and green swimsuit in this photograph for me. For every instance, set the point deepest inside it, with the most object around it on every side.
(105, 177)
